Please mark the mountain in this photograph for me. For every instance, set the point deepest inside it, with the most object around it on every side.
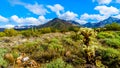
(25, 27)
(106, 21)
(2, 29)
(74, 22)
(102, 23)
(89, 25)
(58, 24)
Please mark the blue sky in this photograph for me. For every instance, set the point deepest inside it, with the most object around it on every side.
(36, 12)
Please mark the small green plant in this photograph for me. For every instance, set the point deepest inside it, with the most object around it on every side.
(10, 32)
(3, 62)
(58, 63)
(103, 35)
(2, 34)
(113, 42)
(110, 56)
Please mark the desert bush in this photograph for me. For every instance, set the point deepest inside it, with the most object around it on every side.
(68, 41)
(30, 33)
(114, 26)
(2, 34)
(104, 35)
(45, 30)
(76, 36)
(3, 62)
(10, 32)
(110, 57)
(55, 45)
(58, 63)
(115, 43)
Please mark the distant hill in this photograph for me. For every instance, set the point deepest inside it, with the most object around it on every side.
(106, 21)
(89, 25)
(74, 23)
(2, 29)
(59, 24)
(102, 23)
(24, 27)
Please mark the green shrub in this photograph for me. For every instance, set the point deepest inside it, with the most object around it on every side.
(110, 57)
(104, 35)
(30, 33)
(45, 30)
(10, 32)
(113, 42)
(55, 45)
(2, 34)
(114, 26)
(3, 62)
(76, 36)
(58, 63)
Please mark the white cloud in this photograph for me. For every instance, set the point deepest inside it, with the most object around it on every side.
(107, 11)
(103, 1)
(117, 16)
(56, 8)
(97, 17)
(29, 20)
(42, 19)
(84, 18)
(3, 19)
(81, 21)
(36, 9)
(68, 16)
(8, 26)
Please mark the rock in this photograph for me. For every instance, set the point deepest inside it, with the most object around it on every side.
(9, 57)
(25, 59)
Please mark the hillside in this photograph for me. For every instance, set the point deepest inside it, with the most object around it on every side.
(59, 24)
(80, 49)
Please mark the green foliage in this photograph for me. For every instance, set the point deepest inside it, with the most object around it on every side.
(58, 63)
(10, 32)
(30, 33)
(45, 30)
(113, 26)
(2, 34)
(55, 45)
(3, 62)
(115, 43)
(103, 35)
(76, 36)
(75, 29)
(110, 57)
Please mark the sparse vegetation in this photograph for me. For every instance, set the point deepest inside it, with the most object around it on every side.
(50, 48)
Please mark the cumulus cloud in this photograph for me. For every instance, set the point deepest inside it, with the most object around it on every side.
(56, 8)
(107, 11)
(103, 1)
(97, 17)
(8, 26)
(43, 20)
(3, 19)
(36, 8)
(84, 18)
(117, 16)
(29, 20)
(81, 21)
(68, 15)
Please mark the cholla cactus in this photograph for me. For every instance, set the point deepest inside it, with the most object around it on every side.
(89, 35)
(90, 43)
